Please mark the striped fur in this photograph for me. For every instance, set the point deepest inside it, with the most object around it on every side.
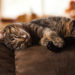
(52, 29)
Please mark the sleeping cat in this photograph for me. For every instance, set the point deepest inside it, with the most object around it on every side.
(52, 29)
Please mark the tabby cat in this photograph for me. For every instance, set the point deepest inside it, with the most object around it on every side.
(44, 30)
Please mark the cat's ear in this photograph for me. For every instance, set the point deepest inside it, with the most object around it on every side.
(1, 35)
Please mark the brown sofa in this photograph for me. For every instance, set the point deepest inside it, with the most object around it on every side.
(37, 60)
(7, 61)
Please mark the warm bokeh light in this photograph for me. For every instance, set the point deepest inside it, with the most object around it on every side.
(14, 8)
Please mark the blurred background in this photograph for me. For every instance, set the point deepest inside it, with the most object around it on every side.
(27, 10)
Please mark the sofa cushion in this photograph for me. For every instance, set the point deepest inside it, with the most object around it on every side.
(7, 63)
(38, 60)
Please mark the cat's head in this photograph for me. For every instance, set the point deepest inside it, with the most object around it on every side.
(15, 37)
(73, 29)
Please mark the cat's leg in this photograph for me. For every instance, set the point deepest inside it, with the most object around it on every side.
(49, 35)
(44, 41)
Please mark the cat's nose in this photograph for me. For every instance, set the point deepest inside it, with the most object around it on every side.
(25, 36)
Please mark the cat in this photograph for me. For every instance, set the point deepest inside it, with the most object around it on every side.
(51, 29)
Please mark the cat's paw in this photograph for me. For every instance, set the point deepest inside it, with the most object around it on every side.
(44, 41)
(53, 48)
(58, 42)
(49, 35)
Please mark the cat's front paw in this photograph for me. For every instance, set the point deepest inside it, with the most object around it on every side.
(44, 41)
(51, 46)
(54, 48)
(58, 42)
